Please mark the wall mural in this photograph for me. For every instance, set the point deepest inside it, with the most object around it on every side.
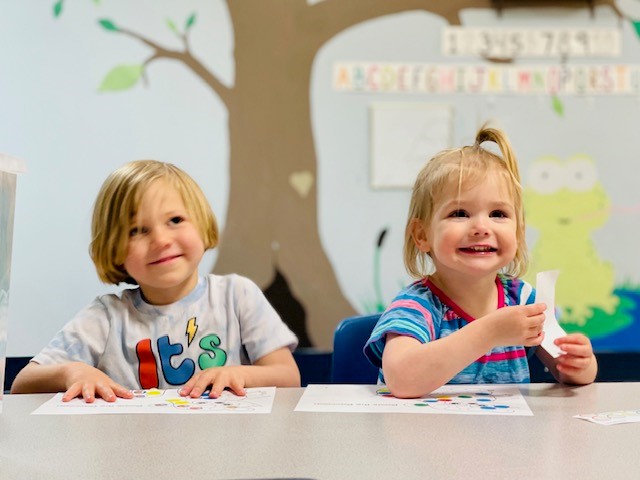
(271, 231)
(566, 203)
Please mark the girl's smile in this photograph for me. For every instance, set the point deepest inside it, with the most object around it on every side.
(473, 230)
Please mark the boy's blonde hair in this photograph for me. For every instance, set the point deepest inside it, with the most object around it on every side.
(465, 166)
(117, 205)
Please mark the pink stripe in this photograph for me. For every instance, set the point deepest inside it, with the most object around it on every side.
(413, 305)
(496, 357)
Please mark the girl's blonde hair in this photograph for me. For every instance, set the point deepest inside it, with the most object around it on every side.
(117, 205)
(464, 166)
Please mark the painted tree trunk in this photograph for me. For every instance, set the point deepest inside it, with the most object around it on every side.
(271, 231)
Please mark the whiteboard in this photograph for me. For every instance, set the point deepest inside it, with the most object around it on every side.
(404, 136)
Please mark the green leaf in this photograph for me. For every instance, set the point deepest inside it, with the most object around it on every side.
(121, 77)
(557, 105)
(57, 8)
(97, 2)
(172, 26)
(190, 21)
(636, 25)
(108, 25)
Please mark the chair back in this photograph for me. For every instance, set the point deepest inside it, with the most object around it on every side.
(13, 366)
(349, 364)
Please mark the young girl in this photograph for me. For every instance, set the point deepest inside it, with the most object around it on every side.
(469, 316)
(151, 226)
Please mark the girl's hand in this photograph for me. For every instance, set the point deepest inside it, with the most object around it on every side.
(578, 355)
(517, 325)
(88, 382)
(219, 378)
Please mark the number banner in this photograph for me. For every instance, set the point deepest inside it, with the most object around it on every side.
(530, 42)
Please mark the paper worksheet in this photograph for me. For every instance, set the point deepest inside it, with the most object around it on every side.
(491, 399)
(257, 400)
(545, 293)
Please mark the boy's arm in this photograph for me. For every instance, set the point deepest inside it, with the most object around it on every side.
(412, 369)
(74, 378)
(277, 369)
(577, 366)
(36, 378)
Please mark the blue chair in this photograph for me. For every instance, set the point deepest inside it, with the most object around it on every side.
(13, 366)
(349, 365)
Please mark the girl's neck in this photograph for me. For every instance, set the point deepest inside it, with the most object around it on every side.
(477, 296)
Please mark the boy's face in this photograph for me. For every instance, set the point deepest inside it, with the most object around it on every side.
(165, 247)
(473, 233)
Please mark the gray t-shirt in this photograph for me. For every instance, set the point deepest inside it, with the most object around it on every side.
(225, 320)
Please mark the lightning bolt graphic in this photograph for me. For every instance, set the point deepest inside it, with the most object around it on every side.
(192, 328)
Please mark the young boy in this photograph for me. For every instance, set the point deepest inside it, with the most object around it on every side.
(151, 226)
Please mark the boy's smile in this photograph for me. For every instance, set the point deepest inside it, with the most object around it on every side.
(165, 247)
(165, 259)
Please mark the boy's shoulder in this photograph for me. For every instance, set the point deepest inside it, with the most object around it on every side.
(229, 280)
(231, 285)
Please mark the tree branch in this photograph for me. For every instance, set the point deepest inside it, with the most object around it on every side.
(338, 15)
(187, 59)
(331, 17)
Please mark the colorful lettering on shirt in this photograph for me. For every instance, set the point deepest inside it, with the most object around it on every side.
(174, 375)
(192, 329)
(147, 367)
(215, 357)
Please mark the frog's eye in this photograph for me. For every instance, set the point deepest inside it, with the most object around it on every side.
(581, 175)
(547, 177)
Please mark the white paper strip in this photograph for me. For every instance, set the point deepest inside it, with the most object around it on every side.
(545, 293)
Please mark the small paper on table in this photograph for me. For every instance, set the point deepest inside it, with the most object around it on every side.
(612, 418)
(545, 293)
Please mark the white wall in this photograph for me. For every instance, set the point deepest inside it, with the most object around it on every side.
(71, 137)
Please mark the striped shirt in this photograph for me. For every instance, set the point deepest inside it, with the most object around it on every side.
(424, 312)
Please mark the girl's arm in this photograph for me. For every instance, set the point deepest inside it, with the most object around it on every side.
(412, 368)
(73, 378)
(277, 369)
(577, 366)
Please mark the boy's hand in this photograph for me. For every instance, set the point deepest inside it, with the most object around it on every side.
(517, 325)
(88, 382)
(578, 354)
(233, 377)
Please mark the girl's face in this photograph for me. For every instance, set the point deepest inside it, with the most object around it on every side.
(165, 247)
(472, 232)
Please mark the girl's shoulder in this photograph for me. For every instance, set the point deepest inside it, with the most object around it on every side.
(517, 290)
(420, 292)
